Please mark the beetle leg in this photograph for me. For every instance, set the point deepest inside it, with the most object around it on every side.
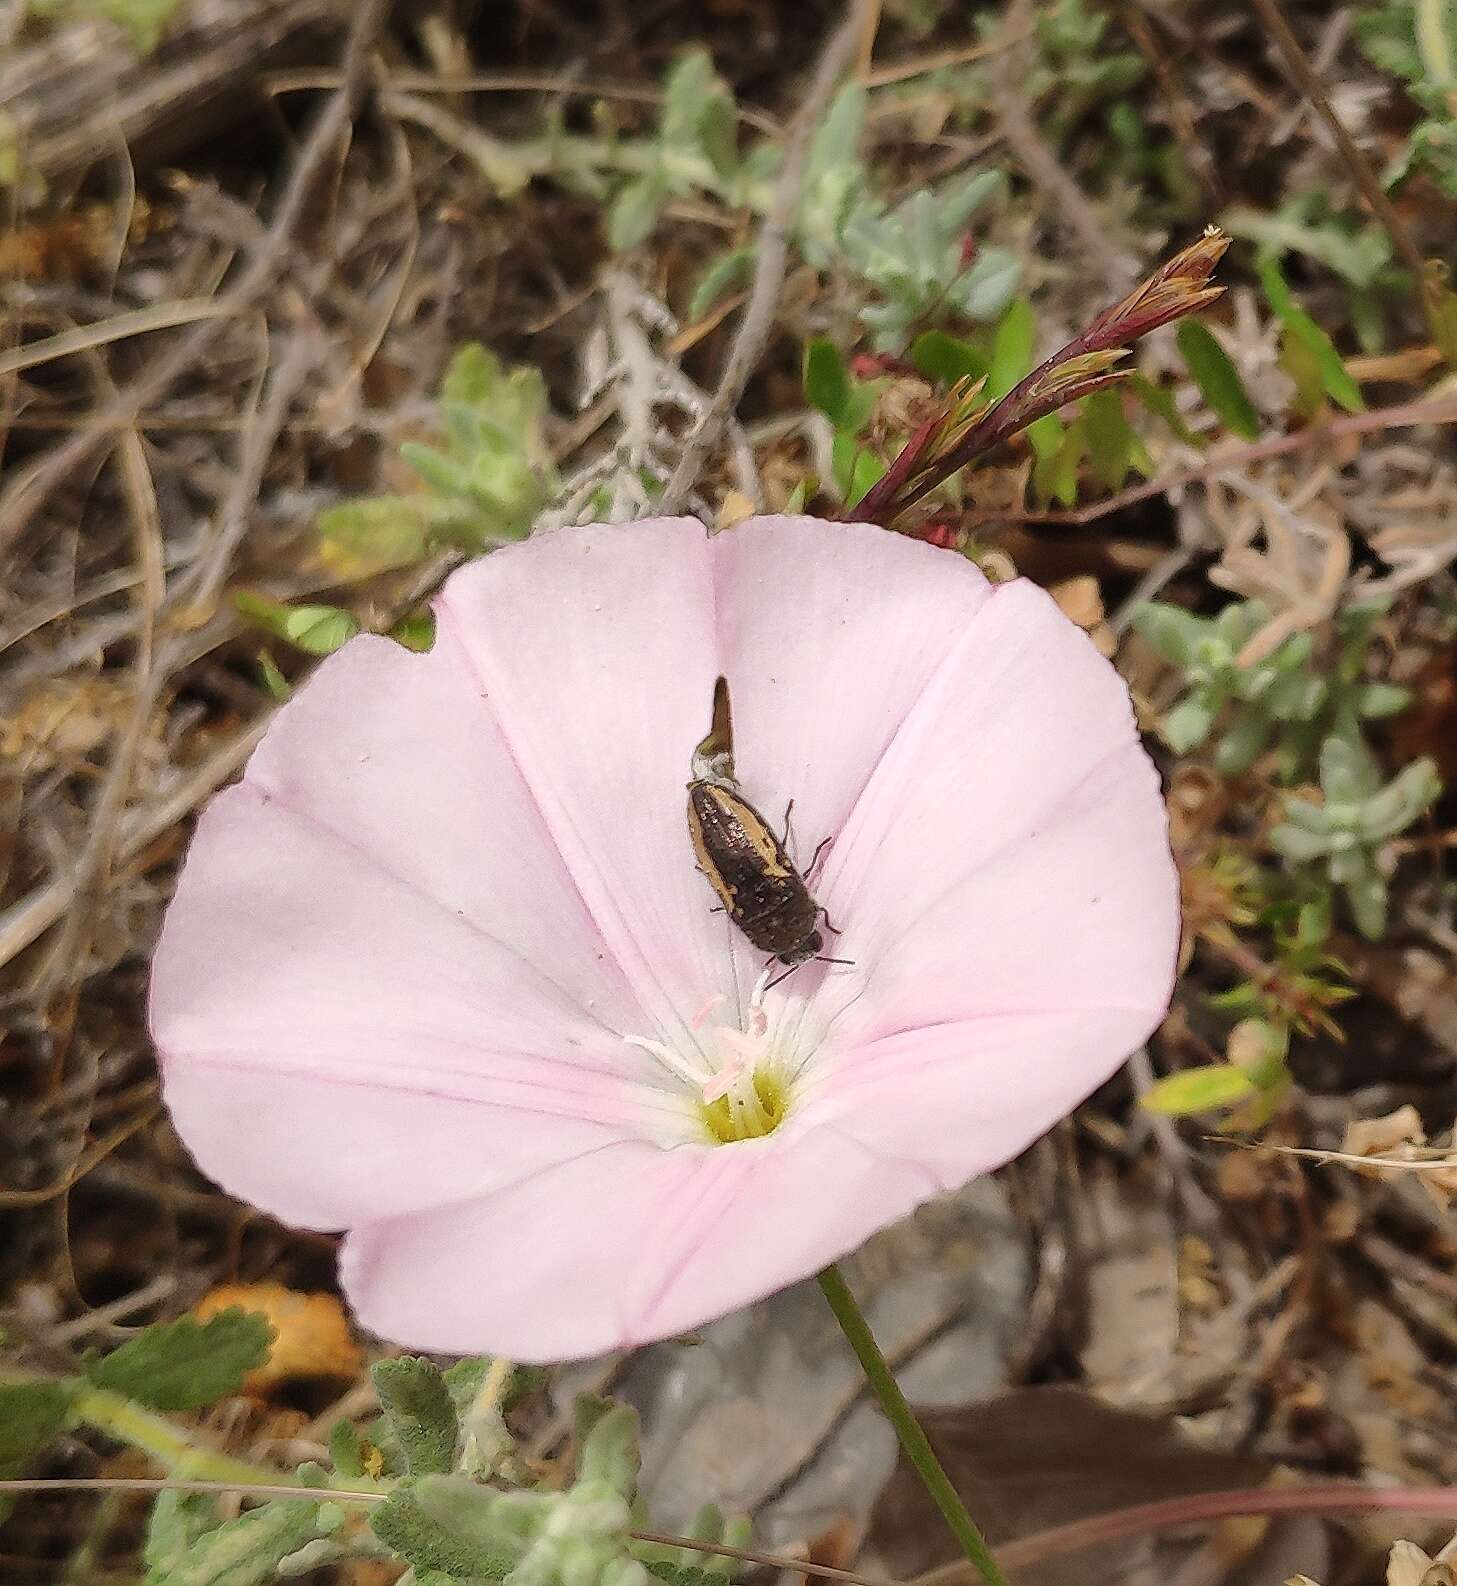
(785, 976)
(784, 840)
(824, 843)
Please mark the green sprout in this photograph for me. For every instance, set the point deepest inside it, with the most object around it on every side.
(1342, 835)
(1280, 700)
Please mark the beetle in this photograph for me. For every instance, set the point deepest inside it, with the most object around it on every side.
(753, 875)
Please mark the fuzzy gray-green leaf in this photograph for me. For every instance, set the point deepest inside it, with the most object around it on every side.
(418, 1408)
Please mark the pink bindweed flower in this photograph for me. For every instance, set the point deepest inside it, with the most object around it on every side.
(441, 972)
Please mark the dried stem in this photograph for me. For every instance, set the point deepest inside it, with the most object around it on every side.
(1356, 162)
(772, 252)
(1401, 415)
(944, 445)
(23, 497)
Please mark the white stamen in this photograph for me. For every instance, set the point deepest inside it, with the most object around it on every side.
(676, 1064)
(727, 1065)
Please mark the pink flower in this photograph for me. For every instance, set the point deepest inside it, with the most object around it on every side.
(441, 972)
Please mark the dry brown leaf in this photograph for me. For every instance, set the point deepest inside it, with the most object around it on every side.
(734, 508)
(1377, 1136)
(61, 721)
(312, 1336)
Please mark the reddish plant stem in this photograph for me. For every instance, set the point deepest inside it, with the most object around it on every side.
(1324, 1498)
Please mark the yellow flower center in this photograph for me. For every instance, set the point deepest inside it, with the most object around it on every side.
(747, 1111)
(734, 1075)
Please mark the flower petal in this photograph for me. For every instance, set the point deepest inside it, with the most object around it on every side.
(625, 1246)
(340, 998)
(961, 1098)
(1080, 913)
(594, 650)
(1024, 732)
(828, 633)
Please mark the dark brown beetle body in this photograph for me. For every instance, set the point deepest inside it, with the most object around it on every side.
(746, 865)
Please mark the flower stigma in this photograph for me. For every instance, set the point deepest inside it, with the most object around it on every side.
(734, 1077)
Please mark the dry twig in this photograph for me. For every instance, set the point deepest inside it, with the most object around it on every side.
(23, 496)
(772, 257)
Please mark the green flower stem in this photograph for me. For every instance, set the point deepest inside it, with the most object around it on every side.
(918, 1449)
(128, 1422)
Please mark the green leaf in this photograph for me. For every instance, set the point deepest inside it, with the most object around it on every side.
(447, 474)
(946, 359)
(719, 277)
(246, 1551)
(317, 630)
(983, 291)
(1298, 844)
(425, 1544)
(1012, 349)
(346, 1448)
(826, 382)
(609, 1452)
(856, 468)
(273, 680)
(1239, 748)
(1162, 405)
(1381, 699)
(1442, 311)
(1175, 633)
(178, 1521)
(1201, 1089)
(185, 1364)
(1217, 378)
(635, 211)
(1055, 474)
(684, 1574)
(144, 20)
(372, 535)
(1304, 331)
(1365, 892)
(1111, 441)
(1298, 359)
(1349, 772)
(1187, 725)
(417, 1406)
(416, 631)
(687, 89)
(31, 1414)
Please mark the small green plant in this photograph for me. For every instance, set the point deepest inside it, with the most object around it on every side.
(917, 259)
(433, 1483)
(1340, 838)
(1253, 1079)
(915, 256)
(483, 484)
(1416, 40)
(1283, 700)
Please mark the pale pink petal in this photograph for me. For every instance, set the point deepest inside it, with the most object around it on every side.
(626, 1245)
(391, 900)
(326, 1153)
(961, 1098)
(1080, 913)
(316, 981)
(595, 650)
(393, 991)
(829, 633)
(1023, 730)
